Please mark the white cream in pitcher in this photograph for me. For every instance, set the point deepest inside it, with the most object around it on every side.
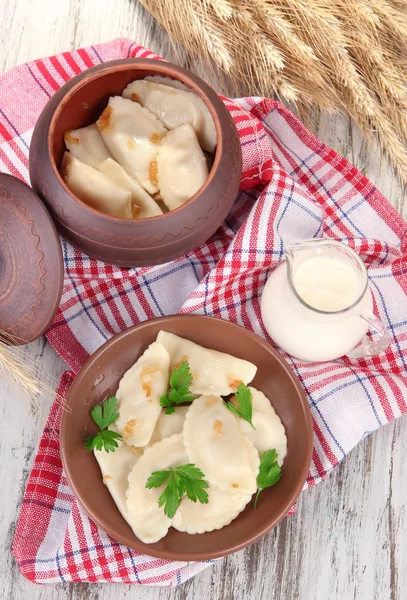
(317, 306)
(326, 284)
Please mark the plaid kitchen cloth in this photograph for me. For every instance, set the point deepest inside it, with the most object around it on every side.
(293, 188)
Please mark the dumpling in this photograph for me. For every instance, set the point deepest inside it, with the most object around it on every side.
(87, 145)
(175, 104)
(139, 393)
(174, 83)
(95, 189)
(172, 106)
(181, 164)
(222, 508)
(269, 432)
(133, 134)
(214, 443)
(169, 424)
(145, 517)
(116, 467)
(213, 372)
(143, 204)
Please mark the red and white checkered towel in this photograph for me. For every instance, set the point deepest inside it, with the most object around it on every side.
(293, 188)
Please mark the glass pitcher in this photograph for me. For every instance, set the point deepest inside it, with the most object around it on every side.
(317, 305)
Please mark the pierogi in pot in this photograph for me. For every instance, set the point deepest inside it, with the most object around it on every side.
(133, 135)
(181, 166)
(95, 189)
(142, 203)
(164, 80)
(148, 142)
(87, 145)
(174, 104)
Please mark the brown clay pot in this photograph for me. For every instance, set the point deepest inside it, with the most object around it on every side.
(129, 242)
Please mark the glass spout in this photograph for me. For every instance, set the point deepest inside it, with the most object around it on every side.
(296, 253)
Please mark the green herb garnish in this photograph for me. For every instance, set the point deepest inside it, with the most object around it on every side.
(104, 415)
(269, 473)
(186, 479)
(244, 397)
(180, 380)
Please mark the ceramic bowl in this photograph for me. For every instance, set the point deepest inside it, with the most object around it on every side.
(128, 242)
(99, 379)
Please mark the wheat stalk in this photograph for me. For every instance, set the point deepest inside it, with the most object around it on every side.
(344, 56)
(24, 375)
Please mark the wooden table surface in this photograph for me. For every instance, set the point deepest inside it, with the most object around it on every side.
(348, 537)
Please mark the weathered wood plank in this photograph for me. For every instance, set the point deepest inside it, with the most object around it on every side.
(348, 538)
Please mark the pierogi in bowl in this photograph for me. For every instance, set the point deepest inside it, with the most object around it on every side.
(185, 443)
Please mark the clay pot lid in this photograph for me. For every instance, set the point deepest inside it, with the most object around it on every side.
(31, 266)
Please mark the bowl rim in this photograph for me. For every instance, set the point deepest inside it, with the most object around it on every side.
(163, 68)
(248, 540)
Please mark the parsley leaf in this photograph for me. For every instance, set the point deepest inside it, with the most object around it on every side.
(104, 415)
(170, 498)
(270, 472)
(244, 398)
(185, 479)
(157, 478)
(180, 380)
(105, 439)
(181, 376)
(193, 484)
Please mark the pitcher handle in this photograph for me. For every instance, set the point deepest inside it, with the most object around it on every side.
(367, 347)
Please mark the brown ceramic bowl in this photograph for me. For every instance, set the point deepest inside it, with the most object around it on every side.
(99, 379)
(128, 242)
